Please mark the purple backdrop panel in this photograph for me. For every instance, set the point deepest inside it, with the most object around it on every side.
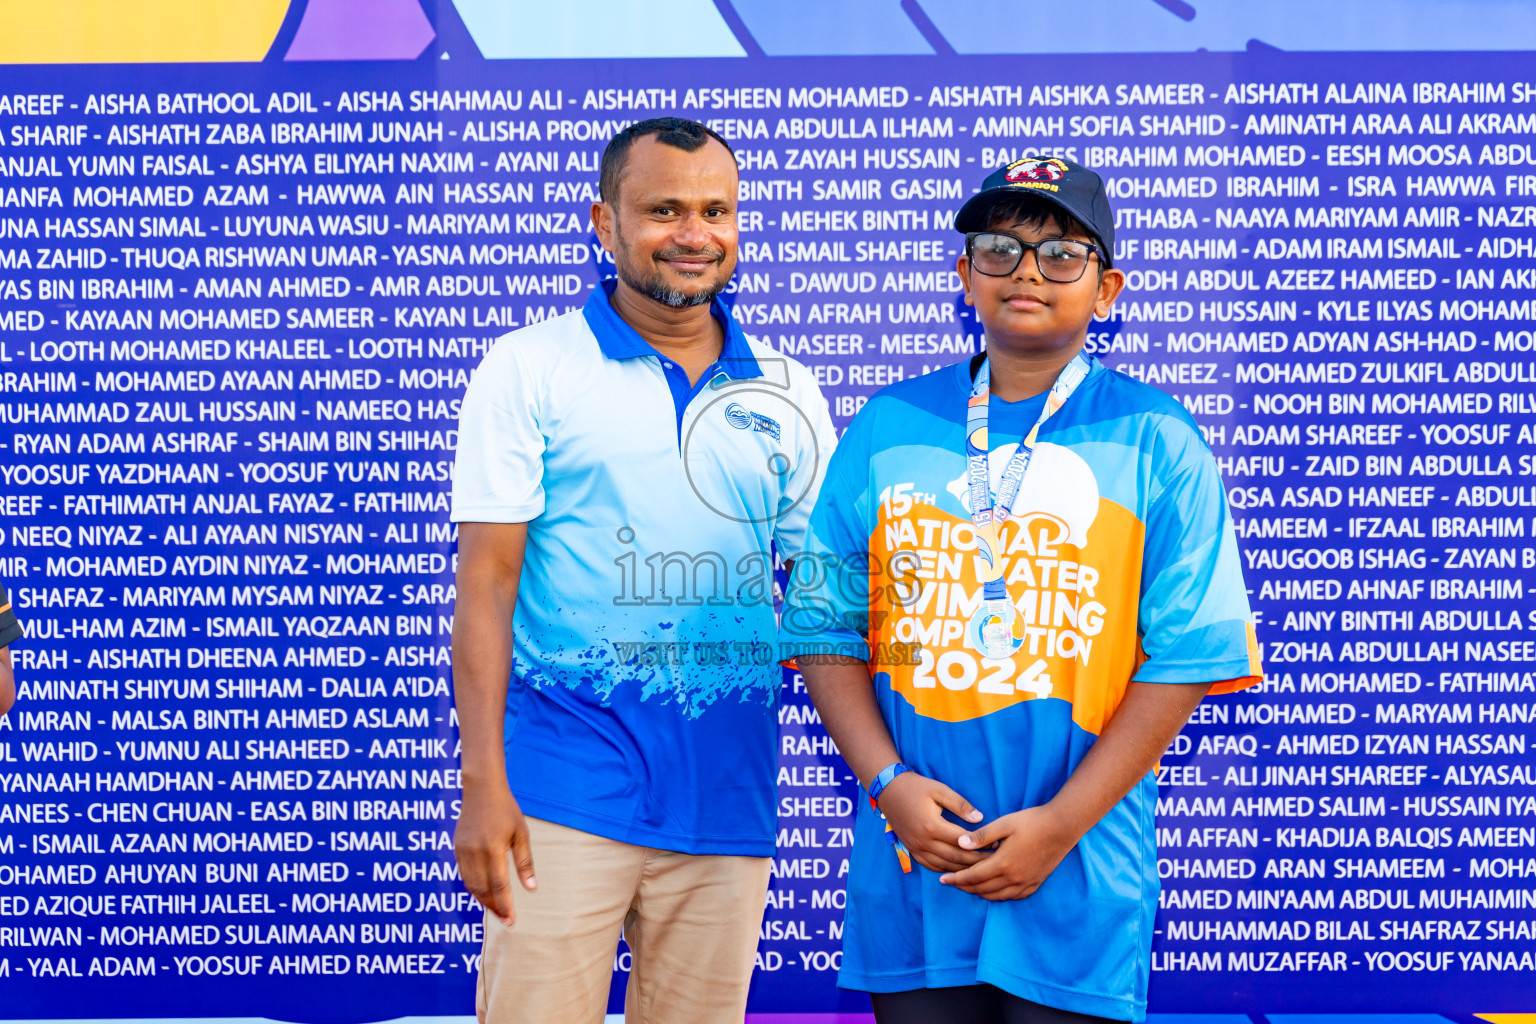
(361, 30)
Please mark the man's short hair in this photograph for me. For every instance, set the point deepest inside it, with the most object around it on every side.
(677, 132)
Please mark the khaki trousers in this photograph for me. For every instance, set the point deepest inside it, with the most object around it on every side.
(691, 922)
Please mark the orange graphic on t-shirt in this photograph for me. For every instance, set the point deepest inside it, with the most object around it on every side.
(1076, 597)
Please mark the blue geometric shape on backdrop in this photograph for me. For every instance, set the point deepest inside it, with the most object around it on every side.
(539, 29)
(1146, 26)
(799, 28)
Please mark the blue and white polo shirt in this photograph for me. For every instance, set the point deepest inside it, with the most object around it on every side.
(645, 678)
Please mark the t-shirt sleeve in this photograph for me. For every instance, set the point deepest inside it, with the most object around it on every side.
(814, 452)
(499, 467)
(827, 603)
(1194, 619)
(10, 629)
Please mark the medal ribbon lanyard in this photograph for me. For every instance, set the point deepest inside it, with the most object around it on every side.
(985, 515)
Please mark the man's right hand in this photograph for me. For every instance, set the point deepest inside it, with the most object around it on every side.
(914, 806)
(490, 824)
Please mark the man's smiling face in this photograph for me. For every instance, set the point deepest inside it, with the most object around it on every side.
(672, 226)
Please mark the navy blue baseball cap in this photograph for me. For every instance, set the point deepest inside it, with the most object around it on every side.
(1057, 180)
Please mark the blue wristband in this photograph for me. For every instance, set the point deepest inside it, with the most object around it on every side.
(887, 774)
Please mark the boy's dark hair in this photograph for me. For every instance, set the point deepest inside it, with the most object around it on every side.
(1037, 213)
(677, 132)
(1034, 212)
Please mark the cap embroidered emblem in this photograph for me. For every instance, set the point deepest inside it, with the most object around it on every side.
(1036, 169)
(1036, 172)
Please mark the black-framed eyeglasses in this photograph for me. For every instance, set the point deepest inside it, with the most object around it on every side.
(998, 254)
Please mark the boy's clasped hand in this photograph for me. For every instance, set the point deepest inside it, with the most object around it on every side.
(1005, 859)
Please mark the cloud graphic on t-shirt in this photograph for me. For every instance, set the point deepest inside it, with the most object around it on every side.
(1059, 483)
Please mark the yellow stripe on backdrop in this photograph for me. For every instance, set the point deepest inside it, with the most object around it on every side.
(1508, 1018)
(137, 31)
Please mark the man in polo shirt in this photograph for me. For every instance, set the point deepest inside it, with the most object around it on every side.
(622, 474)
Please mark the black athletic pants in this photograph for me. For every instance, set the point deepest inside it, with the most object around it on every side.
(968, 1004)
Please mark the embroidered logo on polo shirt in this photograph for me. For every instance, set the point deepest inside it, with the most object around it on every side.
(765, 425)
(738, 417)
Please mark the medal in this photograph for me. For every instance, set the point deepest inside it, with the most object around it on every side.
(996, 630)
(990, 630)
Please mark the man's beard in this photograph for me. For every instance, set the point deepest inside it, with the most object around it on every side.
(656, 288)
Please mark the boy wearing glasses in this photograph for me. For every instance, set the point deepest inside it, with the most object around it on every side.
(1036, 551)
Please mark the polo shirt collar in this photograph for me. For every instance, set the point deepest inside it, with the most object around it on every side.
(618, 340)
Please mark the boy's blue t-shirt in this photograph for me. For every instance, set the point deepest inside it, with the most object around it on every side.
(1121, 560)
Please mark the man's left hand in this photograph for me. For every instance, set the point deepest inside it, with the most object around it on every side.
(1030, 843)
(7, 681)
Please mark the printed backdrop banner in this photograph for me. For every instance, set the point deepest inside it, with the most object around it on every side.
(250, 254)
